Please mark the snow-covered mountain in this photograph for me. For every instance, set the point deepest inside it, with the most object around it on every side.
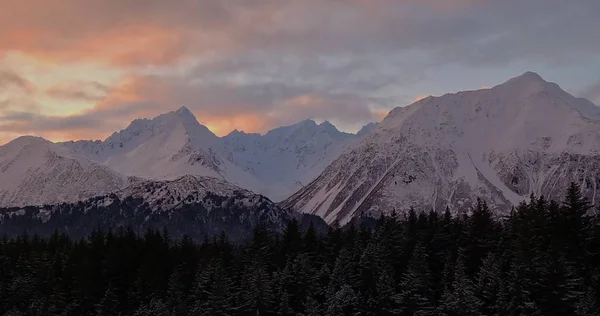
(35, 171)
(289, 157)
(174, 144)
(365, 130)
(502, 144)
(191, 205)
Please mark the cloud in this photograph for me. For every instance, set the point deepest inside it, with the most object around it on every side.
(257, 64)
(222, 106)
(84, 91)
(155, 32)
(9, 78)
(592, 93)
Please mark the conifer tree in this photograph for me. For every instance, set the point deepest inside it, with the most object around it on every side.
(312, 307)
(385, 300)
(460, 298)
(345, 271)
(489, 287)
(587, 304)
(109, 306)
(415, 287)
(343, 302)
(257, 295)
(156, 307)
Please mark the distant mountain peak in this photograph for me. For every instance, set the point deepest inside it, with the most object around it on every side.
(367, 129)
(29, 139)
(307, 122)
(236, 131)
(530, 76)
(327, 126)
(183, 111)
(526, 81)
(186, 115)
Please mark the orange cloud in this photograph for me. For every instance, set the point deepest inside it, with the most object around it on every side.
(381, 114)
(123, 32)
(125, 47)
(223, 125)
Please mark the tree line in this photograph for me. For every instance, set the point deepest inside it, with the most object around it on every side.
(541, 259)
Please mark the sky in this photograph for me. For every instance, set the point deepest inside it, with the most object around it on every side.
(81, 69)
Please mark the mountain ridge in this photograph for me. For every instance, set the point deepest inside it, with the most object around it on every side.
(175, 144)
(502, 144)
(192, 206)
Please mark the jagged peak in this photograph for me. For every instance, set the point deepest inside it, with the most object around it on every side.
(529, 76)
(184, 111)
(367, 129)
(237, 132)
(327, 126)
(307, 122)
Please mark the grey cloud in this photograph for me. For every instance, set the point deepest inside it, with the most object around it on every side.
(23, 122)
(11, 78)
(347, 56)
(592, 93)
(465, 31)
(86, 91)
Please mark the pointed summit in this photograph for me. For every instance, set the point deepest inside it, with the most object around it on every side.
(185, 113)
(528, 77)
(528, 84)
(188, 119)
(183, 110)
(327, 126)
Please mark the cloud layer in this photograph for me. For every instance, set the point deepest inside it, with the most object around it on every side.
(256, 64)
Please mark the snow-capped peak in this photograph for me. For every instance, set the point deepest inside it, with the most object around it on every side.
(523, 136)
(184, 111)
(36, 171)
(528, 76)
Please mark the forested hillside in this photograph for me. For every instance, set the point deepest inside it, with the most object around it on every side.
(543, 259)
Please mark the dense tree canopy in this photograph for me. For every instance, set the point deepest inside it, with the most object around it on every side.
(541, 259)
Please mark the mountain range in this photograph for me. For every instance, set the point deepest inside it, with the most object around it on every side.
(525, 136)
(35, 171)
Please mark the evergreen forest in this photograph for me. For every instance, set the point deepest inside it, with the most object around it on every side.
(542, 258)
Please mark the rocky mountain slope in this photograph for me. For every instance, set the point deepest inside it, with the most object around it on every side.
(502, 144)
(36, 171)
(191, 205)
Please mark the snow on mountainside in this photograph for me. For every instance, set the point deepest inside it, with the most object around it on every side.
(502, 144)
(172, 194)
(365, 130)
(167, 146)
(174, 144)
(195, 206)
(191, 205)
(35, 171)
(287, 157)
